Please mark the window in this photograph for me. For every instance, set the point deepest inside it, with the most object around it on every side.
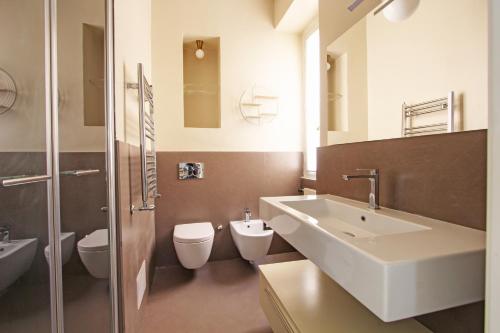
(312, 98)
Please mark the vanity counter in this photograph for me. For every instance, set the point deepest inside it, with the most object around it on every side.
(297, 297)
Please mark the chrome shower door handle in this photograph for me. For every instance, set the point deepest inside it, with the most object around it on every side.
(79, 173)
(22, 180)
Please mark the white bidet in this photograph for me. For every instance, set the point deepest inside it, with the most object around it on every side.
(251, 239)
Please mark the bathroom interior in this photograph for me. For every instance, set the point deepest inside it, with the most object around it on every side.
(249, 166)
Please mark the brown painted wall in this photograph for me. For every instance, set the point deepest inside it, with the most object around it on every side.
(439, 176)
(136, 235)
(233, 181)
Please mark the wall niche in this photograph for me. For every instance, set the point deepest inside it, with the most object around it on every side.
(201, 69)
(93, 75)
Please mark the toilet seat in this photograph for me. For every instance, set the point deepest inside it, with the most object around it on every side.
(193, 232)
(95, 241)
(193, 243)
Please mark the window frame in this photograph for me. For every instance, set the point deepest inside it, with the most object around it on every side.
(311, 28)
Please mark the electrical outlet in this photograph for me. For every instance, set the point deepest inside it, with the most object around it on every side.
(141, 284)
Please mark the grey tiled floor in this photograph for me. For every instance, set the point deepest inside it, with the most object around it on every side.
(222, 296)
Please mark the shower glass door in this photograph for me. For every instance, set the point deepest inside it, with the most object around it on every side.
(26, 220)
(55, 262)
(82, 162)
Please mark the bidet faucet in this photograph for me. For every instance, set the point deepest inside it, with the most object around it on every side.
(248, 214)
(373, 177)
(5, 234)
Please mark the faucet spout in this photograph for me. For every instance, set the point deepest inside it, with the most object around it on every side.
(5, 234)
(247, 214)
(373, 176)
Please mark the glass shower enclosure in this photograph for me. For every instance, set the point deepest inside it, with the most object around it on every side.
(57, 218)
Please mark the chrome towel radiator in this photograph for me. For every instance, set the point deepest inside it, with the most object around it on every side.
(147, 139)
(411, 112)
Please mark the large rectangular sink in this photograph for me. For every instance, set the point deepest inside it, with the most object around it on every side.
(397, 264)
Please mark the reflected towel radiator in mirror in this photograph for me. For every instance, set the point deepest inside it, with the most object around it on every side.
(411, 111)
(147, 139)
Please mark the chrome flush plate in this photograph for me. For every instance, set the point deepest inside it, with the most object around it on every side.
(191, 170)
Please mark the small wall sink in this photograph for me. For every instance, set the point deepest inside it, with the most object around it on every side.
(251, 239)
(398, 265)
(16, 258)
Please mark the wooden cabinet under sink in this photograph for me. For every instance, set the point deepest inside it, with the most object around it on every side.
(297, 296)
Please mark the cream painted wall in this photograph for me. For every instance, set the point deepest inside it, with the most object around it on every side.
(353, 45)
(22, 56)
(251, 52)
(280, 9)
(442, 47)
(132, 45)
(294, 16)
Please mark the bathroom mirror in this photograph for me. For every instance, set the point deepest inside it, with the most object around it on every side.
(380, 65)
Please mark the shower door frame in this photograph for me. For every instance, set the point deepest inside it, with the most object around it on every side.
(52, 157)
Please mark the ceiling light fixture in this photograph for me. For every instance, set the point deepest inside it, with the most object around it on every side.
(199, 53)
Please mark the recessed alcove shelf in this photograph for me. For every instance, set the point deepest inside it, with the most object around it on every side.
(201, 83)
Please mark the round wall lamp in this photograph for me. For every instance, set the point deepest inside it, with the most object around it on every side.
(394, 10)
(199, 53)
(400, 10)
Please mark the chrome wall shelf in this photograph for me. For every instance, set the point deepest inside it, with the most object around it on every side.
(255, 106)
(8, 92)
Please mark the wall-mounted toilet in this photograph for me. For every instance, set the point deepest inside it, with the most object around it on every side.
(193, 243)
(94, 252)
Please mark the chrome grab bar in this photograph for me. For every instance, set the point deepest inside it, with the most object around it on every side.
(22, 180)
(79, 173)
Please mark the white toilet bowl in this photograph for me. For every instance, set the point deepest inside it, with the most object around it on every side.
(94, 252)
(193, 243)
(67, 245)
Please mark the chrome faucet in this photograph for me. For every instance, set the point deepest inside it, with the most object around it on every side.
(5, 234)
(248, 214)
(373, 177)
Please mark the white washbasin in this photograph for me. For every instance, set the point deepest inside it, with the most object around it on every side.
(15, 259)
(397, 264)
(251, 239)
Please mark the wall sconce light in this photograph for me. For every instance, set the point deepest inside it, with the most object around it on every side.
(199, 53)
(398, 10)
(328, 62)
(394, 10)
